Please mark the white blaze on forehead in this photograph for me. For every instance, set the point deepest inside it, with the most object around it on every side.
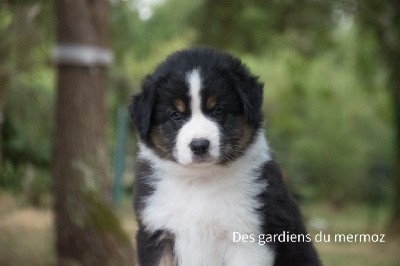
(198, 126)
(194, 81)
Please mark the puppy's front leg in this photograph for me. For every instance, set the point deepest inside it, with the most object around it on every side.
(154, 249)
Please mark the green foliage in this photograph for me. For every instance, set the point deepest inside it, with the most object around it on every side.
(37, 186)
(27, 133)
(139, 39)
(11, 176)
(326, 103)
(32, 181)
(257, 25)
(327, 109)
(328, 125)
(26, 98)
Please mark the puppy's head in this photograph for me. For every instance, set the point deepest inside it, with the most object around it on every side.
(199, 107)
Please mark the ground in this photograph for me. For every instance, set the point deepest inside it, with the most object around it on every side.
(26, 233)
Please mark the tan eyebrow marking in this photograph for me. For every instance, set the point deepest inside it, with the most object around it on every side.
(211, 102)
(180, 105)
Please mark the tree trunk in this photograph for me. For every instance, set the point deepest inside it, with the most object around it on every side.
(395, 222)
(383, 17)
(87, 231)
(388, 31)
(390, 44)
(394, 83)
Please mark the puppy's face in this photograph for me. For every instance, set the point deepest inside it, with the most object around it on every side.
(199, 107)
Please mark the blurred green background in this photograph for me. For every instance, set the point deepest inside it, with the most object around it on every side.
(328, 70)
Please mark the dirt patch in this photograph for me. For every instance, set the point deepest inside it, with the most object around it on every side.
(27, 219)
(7, 202)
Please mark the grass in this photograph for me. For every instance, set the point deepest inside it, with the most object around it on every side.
(353, 219)
(27, 237)
(27, 233)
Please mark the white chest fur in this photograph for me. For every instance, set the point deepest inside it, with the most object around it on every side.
(202, 207)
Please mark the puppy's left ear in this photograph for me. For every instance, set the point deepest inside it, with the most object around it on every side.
(141, 110)
(250, 91)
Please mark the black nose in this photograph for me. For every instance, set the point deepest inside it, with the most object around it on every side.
(199, 146)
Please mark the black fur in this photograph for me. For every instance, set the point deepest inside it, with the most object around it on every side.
(150, 247)
(142, 188)
(141, 109)
(280, 214)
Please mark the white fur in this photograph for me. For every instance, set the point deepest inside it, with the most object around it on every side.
(203, 206)
(199, 126)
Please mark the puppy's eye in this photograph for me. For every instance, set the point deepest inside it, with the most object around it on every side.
(176, 116)
(218, 110)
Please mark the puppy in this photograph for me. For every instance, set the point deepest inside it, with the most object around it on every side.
(207, 188)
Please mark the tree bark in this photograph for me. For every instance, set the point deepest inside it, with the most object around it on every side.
(394, 225)
(87, 231)
(394, 83)
(383, 18)
(390, 39)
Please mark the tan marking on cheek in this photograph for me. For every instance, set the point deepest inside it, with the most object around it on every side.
(180, 105)
(241, 137)
(247, 133)
(211, 102)
(159, 143)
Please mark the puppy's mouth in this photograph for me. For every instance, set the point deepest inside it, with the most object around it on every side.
(201, 161)
(204, 159)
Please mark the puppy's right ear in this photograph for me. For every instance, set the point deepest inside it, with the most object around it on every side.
(141, 110)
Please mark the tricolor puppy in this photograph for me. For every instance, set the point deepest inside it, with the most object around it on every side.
(205, 175)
